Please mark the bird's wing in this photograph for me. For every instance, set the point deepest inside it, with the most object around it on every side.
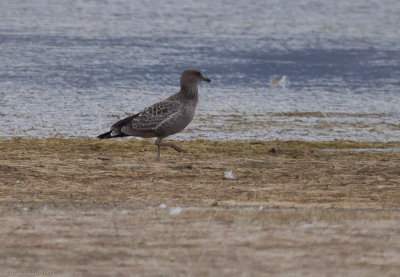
(150, 117)
(122, 122)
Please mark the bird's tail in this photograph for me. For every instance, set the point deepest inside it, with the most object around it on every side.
(109, 135)
(105, 135)
(116, 131)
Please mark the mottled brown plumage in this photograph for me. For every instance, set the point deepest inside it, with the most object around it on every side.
(164, 118)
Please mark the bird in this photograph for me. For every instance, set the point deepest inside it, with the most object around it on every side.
(164, 118)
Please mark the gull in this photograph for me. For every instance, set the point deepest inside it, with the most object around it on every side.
(164, 118)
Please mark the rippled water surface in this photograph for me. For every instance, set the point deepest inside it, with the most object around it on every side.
(313, 70)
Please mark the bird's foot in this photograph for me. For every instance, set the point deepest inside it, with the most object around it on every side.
(177, 148)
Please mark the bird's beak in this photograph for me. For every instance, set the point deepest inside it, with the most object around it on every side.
(205, 79)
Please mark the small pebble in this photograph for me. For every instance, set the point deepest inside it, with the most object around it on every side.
(103, 159)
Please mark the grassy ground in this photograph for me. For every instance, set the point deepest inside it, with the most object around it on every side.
(91, 207)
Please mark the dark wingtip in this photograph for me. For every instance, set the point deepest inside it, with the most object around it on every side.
(105, 135)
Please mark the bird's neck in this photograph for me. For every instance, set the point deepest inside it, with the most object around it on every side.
(190, 92)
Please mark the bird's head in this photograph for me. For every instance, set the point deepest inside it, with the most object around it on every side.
(192, 77)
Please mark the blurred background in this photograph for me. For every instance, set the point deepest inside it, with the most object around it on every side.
(300, 69)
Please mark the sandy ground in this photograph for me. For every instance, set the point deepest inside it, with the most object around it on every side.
(82, 207)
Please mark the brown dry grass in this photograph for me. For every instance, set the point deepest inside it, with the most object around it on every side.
(90, 207)
(298, 174)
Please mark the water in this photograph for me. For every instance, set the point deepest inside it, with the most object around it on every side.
(312, 70)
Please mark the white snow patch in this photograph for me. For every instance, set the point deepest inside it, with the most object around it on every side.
(163, 206)
(175, 211)
(229, 175)
(311, 224)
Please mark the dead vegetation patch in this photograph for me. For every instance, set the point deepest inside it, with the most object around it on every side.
(266, 173)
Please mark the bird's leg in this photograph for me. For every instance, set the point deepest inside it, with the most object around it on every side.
(159, 144)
